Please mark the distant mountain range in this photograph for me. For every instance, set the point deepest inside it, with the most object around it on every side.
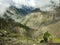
(24, 10)
(19, 13)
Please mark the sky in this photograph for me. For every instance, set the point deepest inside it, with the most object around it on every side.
(4, 4)
(32, 3)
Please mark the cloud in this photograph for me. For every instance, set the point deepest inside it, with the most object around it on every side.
(3, 6)
(32, 3)
(18, 3)
(42, 4)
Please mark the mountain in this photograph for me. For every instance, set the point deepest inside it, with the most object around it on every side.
(24, 10)
(42, 22)
(30, 28)
(17, 13)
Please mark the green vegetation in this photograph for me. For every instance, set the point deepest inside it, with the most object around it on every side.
(56, 40)
(46, 35)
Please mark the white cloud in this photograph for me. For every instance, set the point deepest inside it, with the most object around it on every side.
(18, 3)
(32, 3)
(43, 4)
(3, 6)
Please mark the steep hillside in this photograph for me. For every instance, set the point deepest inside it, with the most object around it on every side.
(16, 13)
(13, 32)
(43, 22)
(28, 27)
